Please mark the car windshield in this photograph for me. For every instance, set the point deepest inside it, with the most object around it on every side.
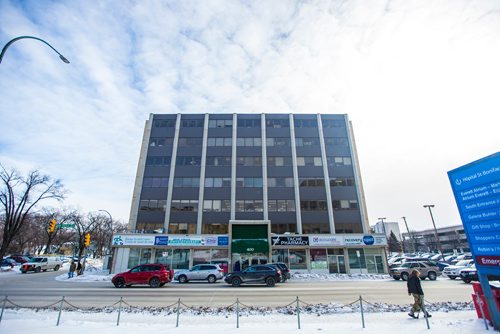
(37, 259)
(406, 265)
(463, 263)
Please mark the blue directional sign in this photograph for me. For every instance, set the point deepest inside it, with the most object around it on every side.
(476, 187)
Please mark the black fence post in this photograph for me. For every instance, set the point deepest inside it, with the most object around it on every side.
(119, 312)
(178, 309)
(298, 312)
(362, 313)
(237, 313)
(60, 310)
(3, 307)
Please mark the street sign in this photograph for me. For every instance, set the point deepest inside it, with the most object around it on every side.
(66, 225)
(476, 187)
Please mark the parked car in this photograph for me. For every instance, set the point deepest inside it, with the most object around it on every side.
(255, 274)
(200, 272)
(20, 259)
(467, 256)
(8, 263)
(155, 275)
(469, 274)
(425, 269)
(285, 271)
(42, 263)
(453, 271)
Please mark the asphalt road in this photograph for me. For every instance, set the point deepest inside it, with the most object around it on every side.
(42, 289)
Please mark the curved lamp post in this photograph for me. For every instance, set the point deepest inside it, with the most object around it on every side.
(31, 37)
(429, 206)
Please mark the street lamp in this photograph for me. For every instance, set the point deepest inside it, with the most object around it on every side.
(410, 236)
(383, 225)
(429, 206)
(31, 37)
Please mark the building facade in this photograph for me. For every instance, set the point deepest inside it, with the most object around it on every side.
(451, 238)
(388, 227)
(239, 189)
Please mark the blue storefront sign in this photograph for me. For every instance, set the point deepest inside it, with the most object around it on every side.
(161, 241)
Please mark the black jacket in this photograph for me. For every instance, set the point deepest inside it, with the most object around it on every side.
(414, 285)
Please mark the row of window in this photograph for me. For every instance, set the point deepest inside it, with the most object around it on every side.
(218, 205)
(190, 141)
(249, 123)
(159, 142)
(220, 141)
(334, 182)
(218, 182)
(248, 161)
(187, 182)
(155, 182)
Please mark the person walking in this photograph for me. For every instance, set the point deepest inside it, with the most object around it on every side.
(415, 290)
(72, 268)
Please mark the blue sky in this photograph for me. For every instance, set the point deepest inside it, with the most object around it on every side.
(419, 80)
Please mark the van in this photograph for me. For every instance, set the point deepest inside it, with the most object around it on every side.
(42, 263)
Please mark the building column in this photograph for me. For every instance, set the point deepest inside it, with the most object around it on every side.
(295, 176)
(264, 167)
(324, 160)
(357, 177)
(172, 172)
(139, 177)
(233, 168)
(199, 222)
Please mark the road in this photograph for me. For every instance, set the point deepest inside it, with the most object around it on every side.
(42, 289)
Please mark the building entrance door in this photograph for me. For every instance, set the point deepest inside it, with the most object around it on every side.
(242, 261)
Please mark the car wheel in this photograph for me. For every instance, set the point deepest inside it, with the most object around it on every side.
(56, 268)
(162, 284)
(38, 269)
(451, 277)
(397, 278)
(432, 276)
(404, 276)
(183, 279)
(467, 280)
(120, 283)
(211, 279)
(283, 279)
(236, 281)
(154, 282)
(44, 270)
(270, 281)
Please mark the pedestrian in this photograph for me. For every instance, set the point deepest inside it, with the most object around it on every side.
(415, 290)
(237, 266)
(72, 267)
(79, 268)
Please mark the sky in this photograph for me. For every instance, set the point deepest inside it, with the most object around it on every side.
(418, 80)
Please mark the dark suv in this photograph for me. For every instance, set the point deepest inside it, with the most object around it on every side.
(255, 274)
(285, 272)
(155, 275)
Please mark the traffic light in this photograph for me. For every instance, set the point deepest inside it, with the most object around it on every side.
(52, 226)
(87, 239)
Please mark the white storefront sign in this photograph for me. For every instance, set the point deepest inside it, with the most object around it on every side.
(326, 240)
(133, 240)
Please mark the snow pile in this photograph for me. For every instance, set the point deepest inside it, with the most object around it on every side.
(93, 273)
(338, 277)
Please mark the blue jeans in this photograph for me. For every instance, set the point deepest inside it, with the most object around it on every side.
(71, 274)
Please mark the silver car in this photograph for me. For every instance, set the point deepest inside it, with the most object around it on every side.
(200, 272)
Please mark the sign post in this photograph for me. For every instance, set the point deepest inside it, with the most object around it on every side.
(476, 187)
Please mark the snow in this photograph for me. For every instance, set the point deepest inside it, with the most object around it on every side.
(81, 322)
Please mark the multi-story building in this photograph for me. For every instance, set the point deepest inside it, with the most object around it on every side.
(239, 189)
(387, 228)
(451, 238)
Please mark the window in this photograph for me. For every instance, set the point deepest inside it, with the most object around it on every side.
(159, 142)
(249, 123)
(217, 182)
(192, 123)
(218, 161)
(216, 205)
(338, 141)
(152, 205)
(341, 182)
(184, 205)
(249, 142)
(345, 204)
(309, 161)
(187, 182)
(339, 161)
(188, 161)
(300, 142)
(313, 205)
(279, 161)
(249, 206)
(305, 123)
(277, 123)
(281, 205)
(155, 182)
(186, 142)
(249, 161)
(280, 182)
(278, 141)
(220, 123)
(305, 182)
(249, 182)
(165, 123)
(220, 141)
(333, 123)
(158, 161)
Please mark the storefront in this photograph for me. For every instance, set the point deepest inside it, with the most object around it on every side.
(347, 253)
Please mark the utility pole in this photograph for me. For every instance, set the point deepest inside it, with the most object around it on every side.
(429, 206)
(410, 236)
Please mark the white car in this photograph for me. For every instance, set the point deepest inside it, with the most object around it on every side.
(454, 271)
(42, 263)
(200, 272)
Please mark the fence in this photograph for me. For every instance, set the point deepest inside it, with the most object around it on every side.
(294, 307)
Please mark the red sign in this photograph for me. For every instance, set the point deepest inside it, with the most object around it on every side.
(482, 260)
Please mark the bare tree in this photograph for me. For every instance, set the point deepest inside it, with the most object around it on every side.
(19, 196)
(84, 224)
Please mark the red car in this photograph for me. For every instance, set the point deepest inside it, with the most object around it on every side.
(155, 275)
